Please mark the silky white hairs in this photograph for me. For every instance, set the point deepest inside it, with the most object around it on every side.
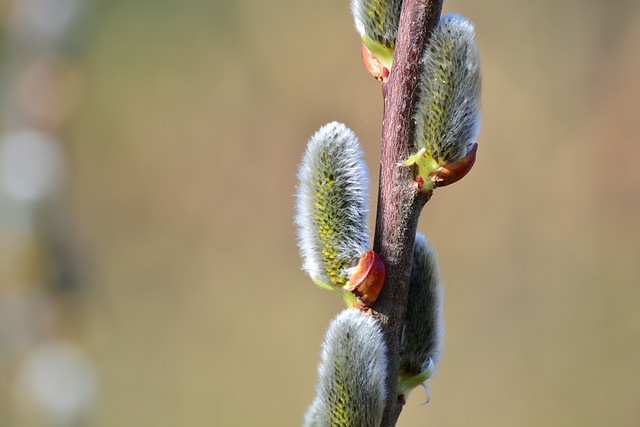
(351, 374)
(377, 23)
(377, 19)
(332, 205)
(423, 325)
(447, 115)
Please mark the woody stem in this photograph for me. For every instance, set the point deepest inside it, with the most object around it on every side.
(399, 201)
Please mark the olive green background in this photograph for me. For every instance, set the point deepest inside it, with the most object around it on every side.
(183, 175)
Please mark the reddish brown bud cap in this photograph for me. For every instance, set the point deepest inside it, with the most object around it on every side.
(454, 172)
(373, 65)
(367, 279)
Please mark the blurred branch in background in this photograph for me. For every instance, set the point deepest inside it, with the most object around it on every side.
(46, 377)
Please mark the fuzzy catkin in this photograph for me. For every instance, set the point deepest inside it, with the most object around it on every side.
(378, 20)
(351, 374)
(377, 23)
(447, 115)
(423, 325)
(332, 205)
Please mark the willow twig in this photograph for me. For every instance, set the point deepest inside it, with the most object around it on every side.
(399, 200)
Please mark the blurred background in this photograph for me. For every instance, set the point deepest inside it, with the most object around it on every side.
(149, 273)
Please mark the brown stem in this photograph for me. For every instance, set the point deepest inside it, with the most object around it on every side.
(399, 201)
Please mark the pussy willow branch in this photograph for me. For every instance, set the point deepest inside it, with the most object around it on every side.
(399, 201)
